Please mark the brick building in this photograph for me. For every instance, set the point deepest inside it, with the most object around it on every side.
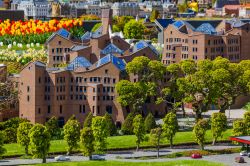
(94, 64)
(199, 40)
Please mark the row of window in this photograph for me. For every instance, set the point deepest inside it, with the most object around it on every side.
(60, 50)
(94, 79)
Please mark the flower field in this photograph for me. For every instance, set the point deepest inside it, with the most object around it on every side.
(35, 31)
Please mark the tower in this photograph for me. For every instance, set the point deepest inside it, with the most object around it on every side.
(106, 20)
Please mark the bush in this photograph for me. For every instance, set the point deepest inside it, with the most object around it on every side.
(247, 122)
(10, 135)
(150, 122)
(127, 126)
(2, 150)
(218, 125)
(53, 128)
(88, 120)
(111, 125)
(199, 131)
(239, 128)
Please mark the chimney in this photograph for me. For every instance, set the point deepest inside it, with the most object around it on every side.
(106, 20)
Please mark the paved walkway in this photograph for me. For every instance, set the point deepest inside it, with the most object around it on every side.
(227, 159)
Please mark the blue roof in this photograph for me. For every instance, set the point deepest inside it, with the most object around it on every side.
(142, 44)
(111, 48)
(78, 62)
(63, 32)
(178, 24)
(221, 3)
(86, 36)
(95, 34)
(164, 22)
(206, 28)
(119, 63)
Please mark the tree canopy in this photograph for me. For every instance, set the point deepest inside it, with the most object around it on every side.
(134, 29)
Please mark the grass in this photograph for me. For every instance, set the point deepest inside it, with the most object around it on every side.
(23, 48)
(117, 143)
(116, 163)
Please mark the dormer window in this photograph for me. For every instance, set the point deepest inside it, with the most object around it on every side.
(59, 42)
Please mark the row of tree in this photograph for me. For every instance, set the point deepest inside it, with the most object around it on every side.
(203, 83)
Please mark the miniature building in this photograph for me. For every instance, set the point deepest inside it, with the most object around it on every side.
(93, 65)
(199, 40)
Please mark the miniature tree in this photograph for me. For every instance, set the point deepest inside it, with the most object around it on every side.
(139, 130)
(111, 125)
(39, 141)
(127, 126)
(155, 138)
(218, 125)
(247, 122)
(53, 127)
(170, 127)
(88, 120)
(23, 135)
(71, 134)
(149, 122)
(134, 29)
(239, 128)
(100, 132)
(87, 142)
(199, 131)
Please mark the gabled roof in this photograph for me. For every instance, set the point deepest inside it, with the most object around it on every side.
(180, 24)
(39, 63)
(119, 63)
(78, 62)
(206, 28)
(111, 48)
(163, 23)
(61, 32)
(95, 34)
(78, 47)
(143, 44)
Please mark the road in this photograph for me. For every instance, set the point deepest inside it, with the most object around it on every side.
(227, 159)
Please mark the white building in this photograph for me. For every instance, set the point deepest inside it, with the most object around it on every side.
(36, 9)
(125, 9)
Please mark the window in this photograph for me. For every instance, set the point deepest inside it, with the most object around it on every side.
(28, 98)
(109, 109)
(106, 71)
(93, 109)
(59, 42)
(48, 109)
(39, 111)
(60, 109)
(80, 108)
(28, 88)
(83, 108)
(98, 109)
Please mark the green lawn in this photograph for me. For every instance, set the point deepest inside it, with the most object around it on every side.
(117, 142)
(23, 48)
(116, 163)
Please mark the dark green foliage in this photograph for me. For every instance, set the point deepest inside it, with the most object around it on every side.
(127, 126)
(88, 120)
(9, 127)
(77, 31)
(2, 150)
(149, 122)
(53, 128)
(111, 125)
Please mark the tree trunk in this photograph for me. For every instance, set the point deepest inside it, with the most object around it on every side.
(183, 110)
(214, 140)
(202, 146)
(44, 159)
(171, 143)
(198, 115)
(26, 150)
(90, 157)
(137, 147)
(158, 151)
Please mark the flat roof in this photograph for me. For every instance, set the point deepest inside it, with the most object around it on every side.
(241, 139)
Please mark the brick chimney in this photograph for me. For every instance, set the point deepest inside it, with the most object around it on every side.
(106, 20)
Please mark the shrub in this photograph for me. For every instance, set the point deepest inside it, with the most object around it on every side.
(127, 126)
(199, 131)
(87, 141)
(88, 120)
(23, 135)
(53, 128)
(2, 149)
(239, 128)
(247, 122)
(149, 122)
(139, 130)
(218, 125)
(111, 125)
